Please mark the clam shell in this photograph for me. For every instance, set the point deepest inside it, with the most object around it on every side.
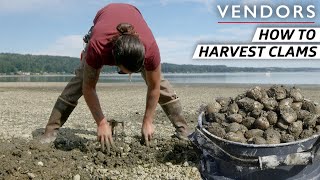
(224, 102)
(253, 133)
(278, 92)
(217, 130)
(248, 122)
(213, 107)
(254, 93)
(235, 118)
(269, 103)
(306, 133)
(233, 108)
(282, 124)
(261, 123)
(296, 94)
(296, 106)
(287, 138)
(288, 114)
(259, 140)
(215, 117)
(272, 117)
(295, 128)
(285, 103)
(236, 137)
(310, 120)
(311, 107)
(249, 104)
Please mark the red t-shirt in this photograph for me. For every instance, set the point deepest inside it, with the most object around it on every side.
(99, 51)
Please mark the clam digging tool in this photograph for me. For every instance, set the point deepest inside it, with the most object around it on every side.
(114, 126)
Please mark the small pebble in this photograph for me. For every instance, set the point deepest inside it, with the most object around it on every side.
(40, 163)
(76, 177)
(169, 164)
(146, 165)
(194, 170)
(185, 164)
(31, 175)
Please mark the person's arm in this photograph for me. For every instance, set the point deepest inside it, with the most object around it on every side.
(90, 79)
(153, 79)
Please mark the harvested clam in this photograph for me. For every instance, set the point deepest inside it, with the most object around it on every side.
(278, 92)
(263, 116)
(288, 114)
(236, 137)
(272, 117)
(254, 93)
(296, 128)
(235, 118)
(253, 133)
(213, 107)
(269, 104)
(262, 123)
(296, 95)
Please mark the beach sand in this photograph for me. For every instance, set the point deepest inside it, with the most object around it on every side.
(25, 109)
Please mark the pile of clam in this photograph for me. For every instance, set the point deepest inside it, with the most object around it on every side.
(263, 116)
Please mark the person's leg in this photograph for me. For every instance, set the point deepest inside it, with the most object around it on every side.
(171, 105)
(64, 105)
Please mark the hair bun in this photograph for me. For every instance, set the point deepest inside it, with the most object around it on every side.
(125, 29)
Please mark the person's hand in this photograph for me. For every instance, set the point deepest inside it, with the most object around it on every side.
(104, 135)
(147, 131)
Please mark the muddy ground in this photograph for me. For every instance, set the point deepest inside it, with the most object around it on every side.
(25, 108)
(71, 157)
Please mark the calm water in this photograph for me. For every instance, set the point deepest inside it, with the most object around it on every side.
(229, 78)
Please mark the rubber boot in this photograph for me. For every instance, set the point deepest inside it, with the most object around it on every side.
(58, 117)
(173, 110)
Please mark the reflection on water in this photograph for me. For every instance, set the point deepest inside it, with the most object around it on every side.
(234, 78)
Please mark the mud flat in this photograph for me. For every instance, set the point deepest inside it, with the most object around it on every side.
(25, 108)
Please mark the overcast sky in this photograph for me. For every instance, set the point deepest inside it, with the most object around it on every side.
(56, 27)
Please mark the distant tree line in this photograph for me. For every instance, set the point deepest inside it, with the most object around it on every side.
(40, 64)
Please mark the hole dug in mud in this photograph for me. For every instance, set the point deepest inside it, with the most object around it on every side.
(70, 155)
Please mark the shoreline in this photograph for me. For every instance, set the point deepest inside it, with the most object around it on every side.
(138, 84)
